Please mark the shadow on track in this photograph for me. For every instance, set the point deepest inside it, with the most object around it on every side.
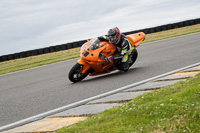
(108, 76)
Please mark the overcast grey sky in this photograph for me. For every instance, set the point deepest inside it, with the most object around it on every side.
(32, 24)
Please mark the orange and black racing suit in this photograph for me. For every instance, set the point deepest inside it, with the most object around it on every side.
(124, 48)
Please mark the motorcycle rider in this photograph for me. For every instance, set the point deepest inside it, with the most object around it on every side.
(123, 46)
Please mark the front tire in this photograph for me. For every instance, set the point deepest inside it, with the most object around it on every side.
(75, 74)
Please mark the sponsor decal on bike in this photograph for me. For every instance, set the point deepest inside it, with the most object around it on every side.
(109, 52)
(100, 63)
(132, 37)
(138, 43)
(84, 46)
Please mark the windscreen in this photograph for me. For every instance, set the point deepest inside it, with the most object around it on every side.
(95, 44)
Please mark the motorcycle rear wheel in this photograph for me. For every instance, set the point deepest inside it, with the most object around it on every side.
(133, 57)
(75, 74)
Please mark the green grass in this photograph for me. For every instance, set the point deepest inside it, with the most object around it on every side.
(174, 109)
(34, 61)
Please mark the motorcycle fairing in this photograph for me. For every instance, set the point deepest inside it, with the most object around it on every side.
(93, 55)
(136, 39)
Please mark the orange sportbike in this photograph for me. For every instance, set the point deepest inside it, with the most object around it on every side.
(93, 53)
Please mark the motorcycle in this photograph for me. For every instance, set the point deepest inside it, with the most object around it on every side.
(93, 53)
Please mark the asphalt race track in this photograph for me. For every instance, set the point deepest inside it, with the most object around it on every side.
(27, 93)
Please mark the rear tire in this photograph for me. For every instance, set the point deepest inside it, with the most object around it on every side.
(75, 74)
(133, 57)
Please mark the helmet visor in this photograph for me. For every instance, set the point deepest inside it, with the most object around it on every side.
(113, 39)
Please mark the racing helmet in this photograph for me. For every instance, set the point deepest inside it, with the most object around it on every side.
(114, 36)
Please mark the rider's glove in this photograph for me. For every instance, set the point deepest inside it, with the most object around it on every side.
(110, 58)
(103, 38)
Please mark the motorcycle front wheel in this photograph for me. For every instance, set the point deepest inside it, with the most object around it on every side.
(75, 74)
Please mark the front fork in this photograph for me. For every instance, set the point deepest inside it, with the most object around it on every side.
(86, 66)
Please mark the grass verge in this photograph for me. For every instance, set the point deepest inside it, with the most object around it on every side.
(174, 108)
(35, 61)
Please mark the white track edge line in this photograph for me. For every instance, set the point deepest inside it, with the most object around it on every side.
(82, 102)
